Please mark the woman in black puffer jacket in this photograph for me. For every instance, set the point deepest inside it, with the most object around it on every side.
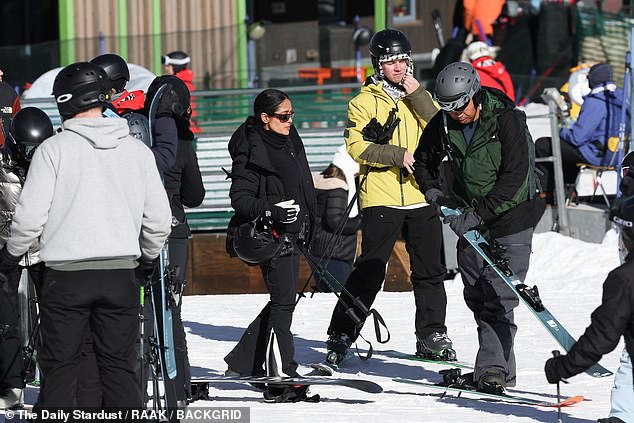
(271, 183)
(335, 188)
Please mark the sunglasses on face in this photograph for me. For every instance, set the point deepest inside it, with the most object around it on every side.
(283, 117)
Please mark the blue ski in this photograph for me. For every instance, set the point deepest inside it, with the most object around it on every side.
(529, 296)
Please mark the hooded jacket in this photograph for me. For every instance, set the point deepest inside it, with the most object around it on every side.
(385, 184)
(93, 193)
(598, 121)
(255, 184)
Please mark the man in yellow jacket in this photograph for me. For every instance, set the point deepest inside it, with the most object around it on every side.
(385, 121)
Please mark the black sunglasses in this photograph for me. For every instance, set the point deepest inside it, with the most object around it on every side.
(283, 117)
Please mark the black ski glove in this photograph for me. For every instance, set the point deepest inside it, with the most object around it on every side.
(381, 134)
(147, 269)
(555, 369)
(435, 198)
(464, 222)
(8, 262)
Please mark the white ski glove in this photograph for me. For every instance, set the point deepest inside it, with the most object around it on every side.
(285, 211)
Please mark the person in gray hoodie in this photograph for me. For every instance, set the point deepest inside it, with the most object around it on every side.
(95, 200)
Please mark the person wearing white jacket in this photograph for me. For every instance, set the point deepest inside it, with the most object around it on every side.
(95, 200)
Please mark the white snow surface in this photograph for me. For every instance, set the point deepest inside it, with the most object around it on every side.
(569, 273)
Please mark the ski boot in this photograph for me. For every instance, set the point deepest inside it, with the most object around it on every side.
(492, 382)
(337, 347)
(436, 346)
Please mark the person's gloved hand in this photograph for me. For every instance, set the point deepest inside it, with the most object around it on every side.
(432, 196)
(464, 222)
(285, 212)
(8, 262)
(147, 268)
(381, 134)
(554, 369)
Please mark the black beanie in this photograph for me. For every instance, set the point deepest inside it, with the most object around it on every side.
(599, 74)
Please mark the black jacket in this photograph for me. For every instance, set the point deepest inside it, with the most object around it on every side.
(255, 185)
(611, 320)
(184, 187)
(332, 201)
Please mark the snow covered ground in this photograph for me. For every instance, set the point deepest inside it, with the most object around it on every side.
(569, 274)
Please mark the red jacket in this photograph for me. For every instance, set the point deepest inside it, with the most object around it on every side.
(494, 75)
(187, 76)
(129, 101)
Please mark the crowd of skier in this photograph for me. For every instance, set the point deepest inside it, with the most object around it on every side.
(87, 210)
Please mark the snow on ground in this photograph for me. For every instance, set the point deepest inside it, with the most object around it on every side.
(569, 274)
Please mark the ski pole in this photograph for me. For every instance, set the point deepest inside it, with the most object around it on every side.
(334, 237)
(556, 353)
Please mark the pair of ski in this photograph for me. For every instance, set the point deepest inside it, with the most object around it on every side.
(330, 369)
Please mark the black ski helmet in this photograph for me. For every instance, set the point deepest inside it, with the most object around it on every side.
(116, 68)
(29, 127)
(255, 243)
(178, 59)
(178, 93)
(627, 176)
(388, 44)
(139, 127)
(456, 84)
(80, 86)
(622, 215)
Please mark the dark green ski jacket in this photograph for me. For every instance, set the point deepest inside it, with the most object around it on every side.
(494, 173)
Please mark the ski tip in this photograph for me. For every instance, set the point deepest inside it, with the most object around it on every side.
(573, 400)
(567, 402)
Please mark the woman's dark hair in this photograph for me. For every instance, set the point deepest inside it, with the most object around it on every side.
(267, 102)
(333, 171)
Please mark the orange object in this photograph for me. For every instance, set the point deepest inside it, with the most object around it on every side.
(321, 74)
(487, 11)
(351, 72)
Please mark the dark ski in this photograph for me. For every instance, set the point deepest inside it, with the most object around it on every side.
(414, 357)
(510, 398)
(529, 296)
(359, 384)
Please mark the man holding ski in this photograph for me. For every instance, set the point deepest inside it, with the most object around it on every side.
(95, 200)
(385, 122)
(490, 152)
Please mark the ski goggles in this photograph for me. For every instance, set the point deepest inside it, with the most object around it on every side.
(283, 117)
(166, 60)
(625, 170)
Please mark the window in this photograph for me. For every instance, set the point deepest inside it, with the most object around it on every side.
(404, 10)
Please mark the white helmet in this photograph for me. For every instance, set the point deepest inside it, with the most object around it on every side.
(478, 49)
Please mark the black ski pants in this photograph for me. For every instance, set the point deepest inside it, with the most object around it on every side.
(11, 364)
(178, 255)
(269, 335)
(107, 302)
(381, 226)
(492, 301)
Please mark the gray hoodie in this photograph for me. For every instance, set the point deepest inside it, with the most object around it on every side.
(93, 193)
